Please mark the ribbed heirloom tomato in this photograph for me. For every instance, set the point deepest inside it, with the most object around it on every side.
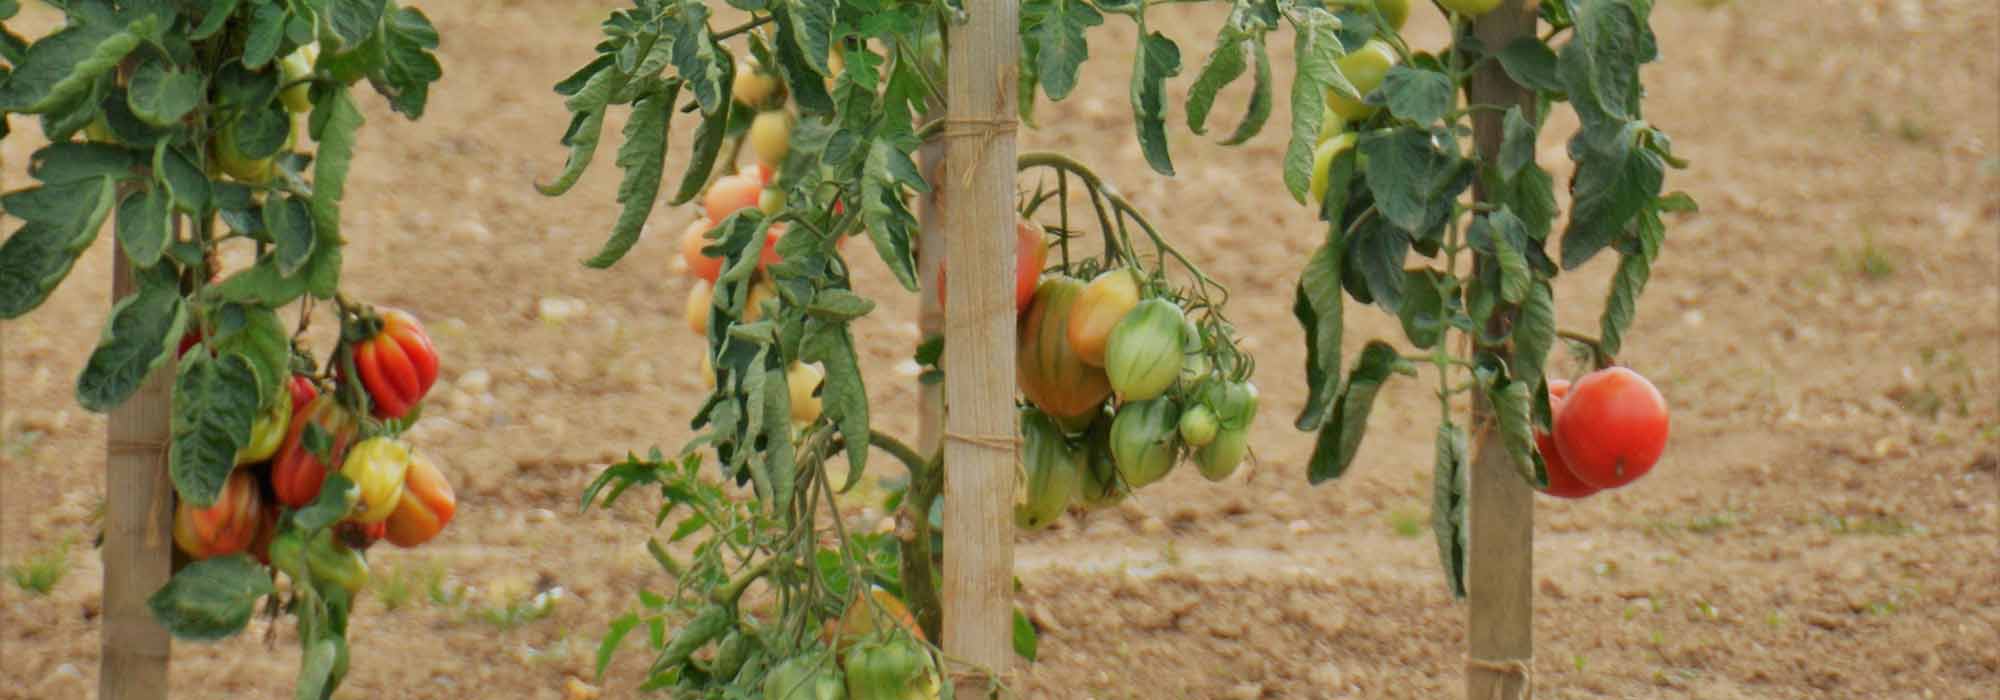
(1612, 428)
(296, 472)
(1032, 254)
(1051, 472)
(398, 365)
(1145, 440)
(425, 508)
(377, 465)
(227, 527)
(1563, 482)
(1146, 352)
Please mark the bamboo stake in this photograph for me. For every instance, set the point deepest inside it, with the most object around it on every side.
(977, 197)
(138, 520)
(1500, 564)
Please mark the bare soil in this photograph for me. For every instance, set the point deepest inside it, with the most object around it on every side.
(1825, 523)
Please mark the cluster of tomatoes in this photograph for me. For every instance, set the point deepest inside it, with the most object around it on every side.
(874, 651)
(398, 494)
(1610, 428)
(769, 139)
(1119, 389)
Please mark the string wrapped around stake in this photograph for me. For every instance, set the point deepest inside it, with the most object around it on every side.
(985, 129)
(1522, 668)
(996, 442)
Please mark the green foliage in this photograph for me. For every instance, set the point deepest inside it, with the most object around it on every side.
(211, 599)
(40, 572)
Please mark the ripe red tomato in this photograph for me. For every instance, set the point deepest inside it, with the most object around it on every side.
(1612, 428)
(303, 392)
(297, 473)
(227, 527)
(1032, 254)
(1049, 372)
(729, 194)
(770, 255)
(692, 240)
(1562, 480)
(761, 173)
(398, 365)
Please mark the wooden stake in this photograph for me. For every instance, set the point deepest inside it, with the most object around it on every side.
(977, 198)
(138, 526)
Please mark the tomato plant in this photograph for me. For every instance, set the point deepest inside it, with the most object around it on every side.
(205, 132)
(829, 102)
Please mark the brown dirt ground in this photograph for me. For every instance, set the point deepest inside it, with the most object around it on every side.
(1823, 525)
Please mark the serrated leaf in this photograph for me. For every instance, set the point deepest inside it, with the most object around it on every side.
(1448, 505)
(696, 59)
(211, 599)
(63, 66)
(643, 157)
(142, 330)
(891, 226)
(1223, 66)
(1316, 49)
(215, 401)
(1417, 94)
(161, 95)
(144, 227)
(844, 397)
(812, 24)
(708, 138)
(1614, 181)
(1259, 110)
(1403, 166)
(335, 121)
(409, 64)
(1377, 254)
(1061, 47)
(803, 81)
(1157, 60)
(1531, 195)
(588, 105)
(288, 220)
(839, 305)
(1340, 437)
(1318, 307)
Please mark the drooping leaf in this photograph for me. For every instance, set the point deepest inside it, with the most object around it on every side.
(335, 121)
(267, 31)
(1423, 312)
(337, 497)
(144, 226)
(839, 305)
(142, 330)
(1158, 59)
(1316, 50)
(1511, 405)
(354, 21)
(696, 59)
(288, 220)
(812, 25)
(409, 63)
(211, 599)
(844, 397)
(62, 67)
(1404, 168)
(32, 262)
(1318, 307)
(1224, 65)
(70, 161)
(701, 162)
(643, 157)
(1531, 64)
(1340, 437)
(1027, 640)
(1448, 505)
(1061, 47)
(1614, 182)
(1259, 110)
(215, 401)
(1517, 147)
(891, 226)
(1621, 305)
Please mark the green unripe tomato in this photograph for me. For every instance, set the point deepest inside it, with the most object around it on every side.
(1364, 68)
(1323, 163)
(294, 67)
(1198, 426)
(1470, 8)
(251, 171)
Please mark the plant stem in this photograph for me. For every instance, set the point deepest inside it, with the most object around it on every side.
(744, 27)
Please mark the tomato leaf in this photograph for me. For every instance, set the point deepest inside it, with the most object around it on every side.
(1448, 504)
(1062, 50)
(267, 30)
(1614, 181)
(1026, 638)
(317, 664)
(1417, 94)
(839, 305)
(64, 66)
(1600, 65)
(260, 284)
(696, 59)
(1340, 437)
(337, 496)
(812, 24)
(805, 76)
(212, 19)
(1157, 60)
(1224, 65)
(1534, 334)
(701, 162)
(1259, 109)
(1531, 64)
(70, 161)
(1517, 147)
(643, 157)
(1316, 48)
(143, 328)
(588, 106)
(256, 333)
(211, 599)
(1621, 305)
(354, 21)
(1404, 168)
(1375, 260)
(32, 262)
(614, 634)
(1317, 305)
(161, 95)
(1511, 405)
(1530, 194)
(70, 206)
(215, 401)
(144, 226)
(1423, 312)
(288, 223)
(409, 65)
(844, 396)
(891, 226)
(187, 183)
